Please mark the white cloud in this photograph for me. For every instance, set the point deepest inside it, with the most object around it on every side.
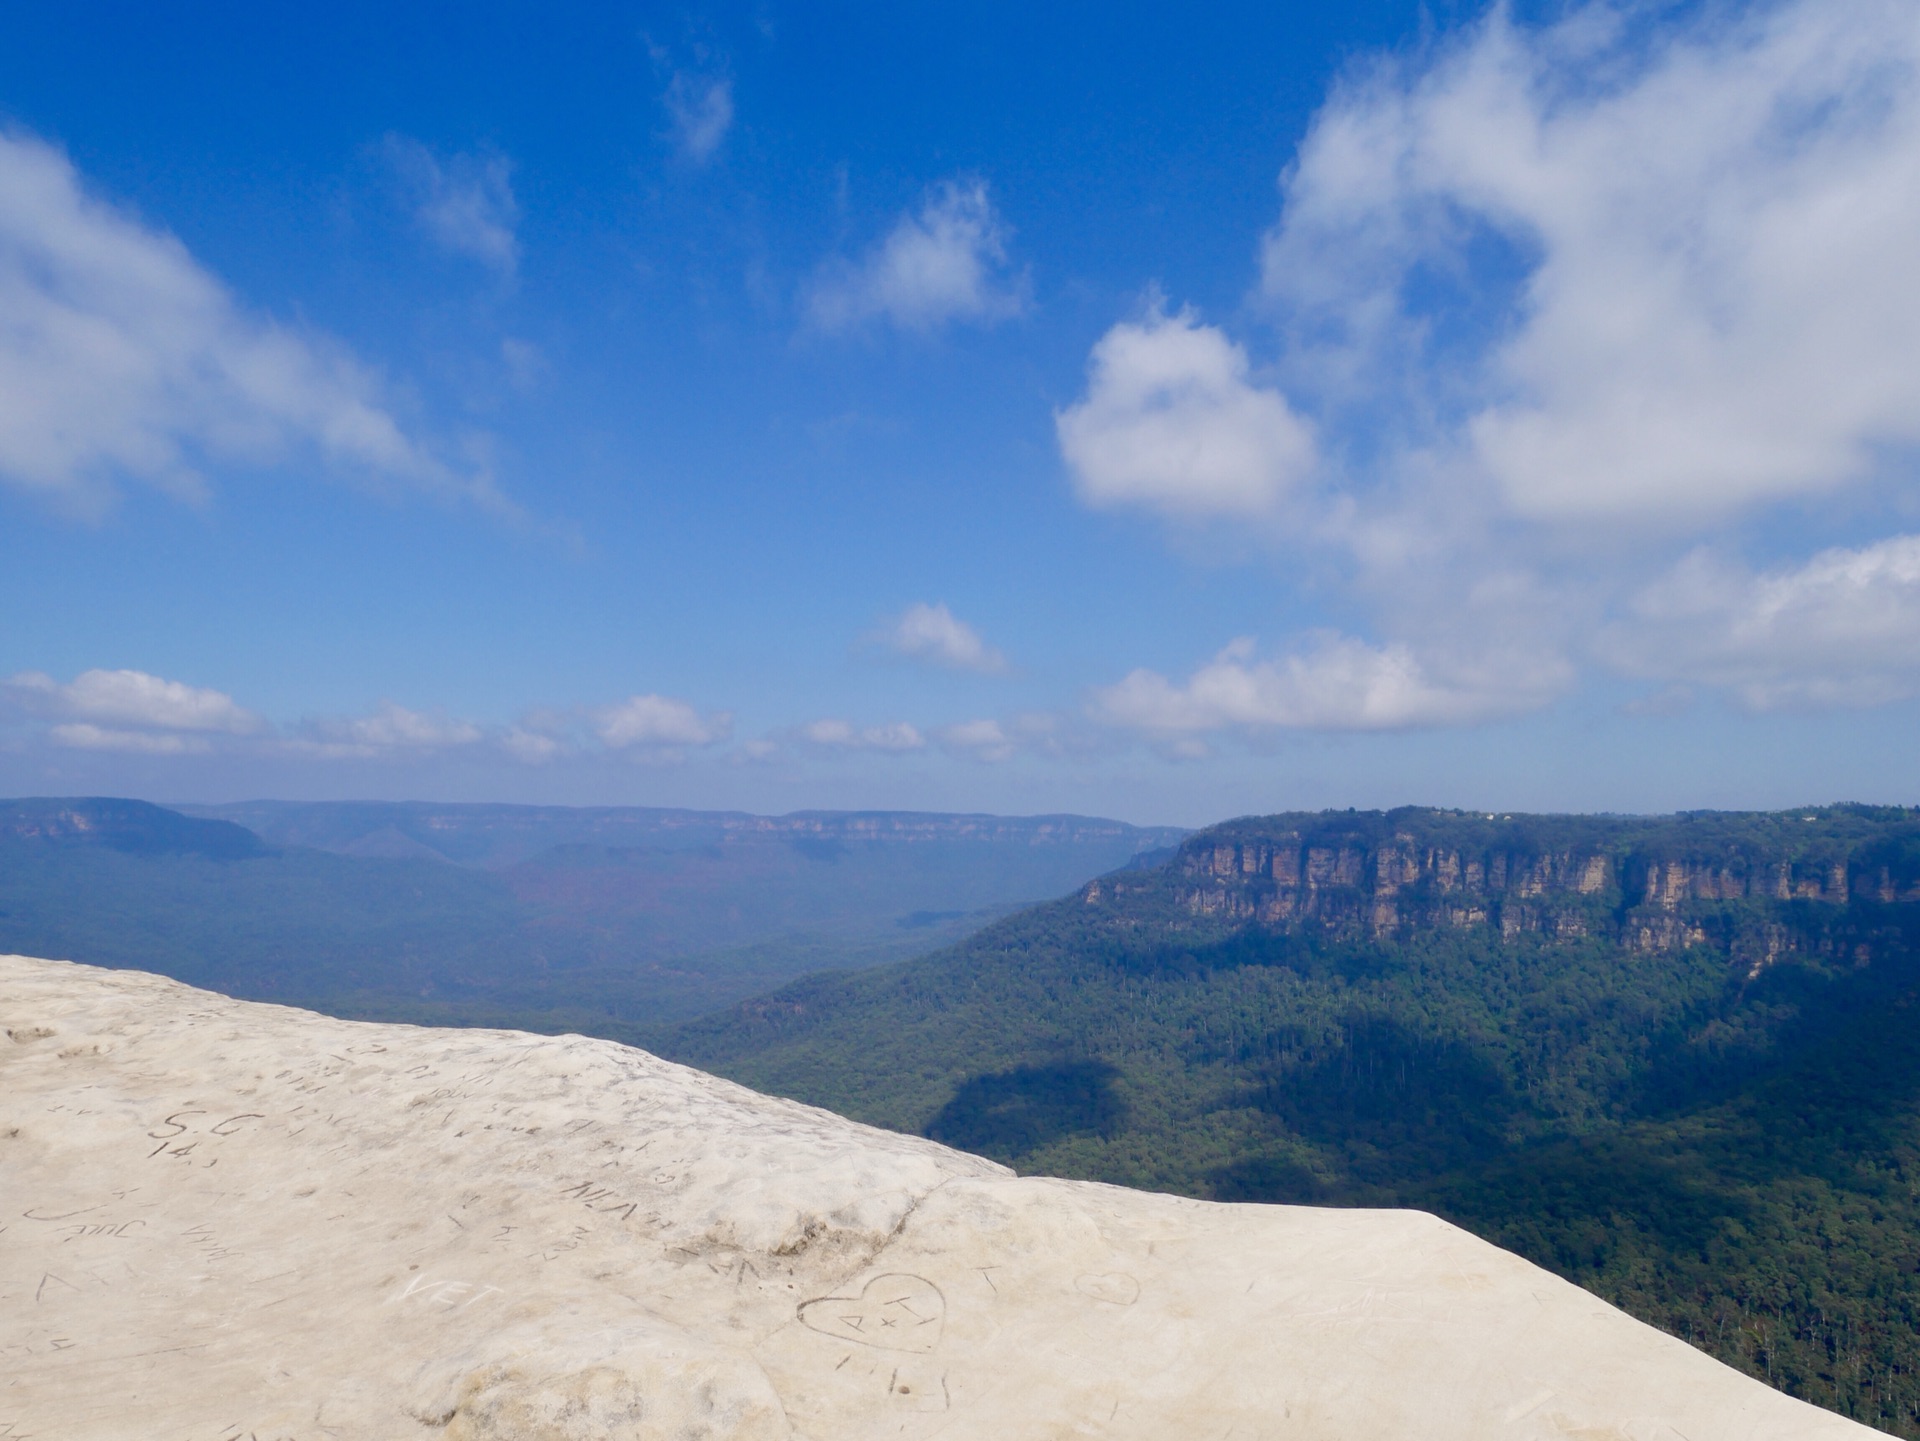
(127, 710)
(829, 732)
(701, 108)
(933, 633)
(1172, 422)
(130, 710)
(1338, 683)
(531, 747)
(985, 740)
(946, 263)
(129, 698)
(82, 736)
(120, 357)
(1649, 275)
(895, 736)
(659, 721)
(391, 730)
(465, 206)
(1841, 629)
(1031, 732)
(1548, 306)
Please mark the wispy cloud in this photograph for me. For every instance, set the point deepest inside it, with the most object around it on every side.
(464, 204)
(526, 364)
(121, 358)
(985, 740)
(1843, 628)
(932, 633)
(532, 747)
(390, 730)
(700, 108)
(84, 736)
(946, 262)
(895, 736)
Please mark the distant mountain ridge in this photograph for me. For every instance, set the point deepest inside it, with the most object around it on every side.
(551, 917)
(496, 836)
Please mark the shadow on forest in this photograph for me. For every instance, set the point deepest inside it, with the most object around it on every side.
(1388, 1099)
(1013, 1113)
(1829, 1058)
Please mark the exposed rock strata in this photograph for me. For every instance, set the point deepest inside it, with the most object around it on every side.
(1630, 882)
(222, 1221)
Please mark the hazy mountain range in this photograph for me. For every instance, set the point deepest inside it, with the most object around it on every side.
(553, 917)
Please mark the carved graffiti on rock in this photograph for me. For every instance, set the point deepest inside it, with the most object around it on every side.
(895, 1312)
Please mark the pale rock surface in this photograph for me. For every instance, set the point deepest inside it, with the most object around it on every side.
(222, 1221)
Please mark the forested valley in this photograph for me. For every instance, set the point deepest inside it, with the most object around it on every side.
(1673, 1060)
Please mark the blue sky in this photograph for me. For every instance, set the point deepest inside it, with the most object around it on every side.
(1124, 410)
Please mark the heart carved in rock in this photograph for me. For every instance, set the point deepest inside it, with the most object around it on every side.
(895, 1312)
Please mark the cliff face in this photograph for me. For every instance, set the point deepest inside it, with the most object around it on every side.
(1647, 884)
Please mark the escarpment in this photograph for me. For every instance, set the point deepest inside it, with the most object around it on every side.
(1755, 885)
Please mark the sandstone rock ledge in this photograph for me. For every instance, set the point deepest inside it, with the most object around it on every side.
(222, 1221)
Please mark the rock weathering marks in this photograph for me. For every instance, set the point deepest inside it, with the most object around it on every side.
(224, 1221)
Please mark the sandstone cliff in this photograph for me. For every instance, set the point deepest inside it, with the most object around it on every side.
(1646, 884)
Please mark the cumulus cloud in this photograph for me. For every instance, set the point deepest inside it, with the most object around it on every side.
(1843, 628)
(895, 736)
(701, 109)
(658, 721)
(124, 698)
(464, 205)
(1595, 290)
(1338, 683)
(1648, 277)
(933, 633)
(120, 357)
(948, 262)
(1171, 421)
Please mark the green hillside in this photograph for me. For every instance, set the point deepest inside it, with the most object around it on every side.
(1672, 1059)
